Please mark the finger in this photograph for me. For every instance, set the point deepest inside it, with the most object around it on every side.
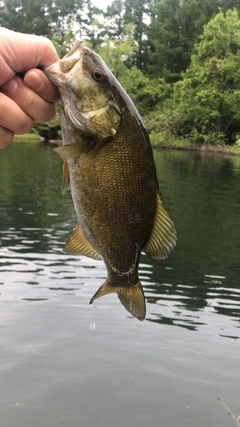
(6, 136)
(25, 51)
(37, 81)
(12, 117)
(30, 102)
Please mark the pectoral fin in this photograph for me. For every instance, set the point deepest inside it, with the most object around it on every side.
(131, 297)
(66, 178)
(70, 151)
(78, 244)
(163, 237)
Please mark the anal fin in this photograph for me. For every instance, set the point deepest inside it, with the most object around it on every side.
(163, 236)
(132, 297)
(78, 244)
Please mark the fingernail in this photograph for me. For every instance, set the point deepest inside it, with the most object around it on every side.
(10, 87)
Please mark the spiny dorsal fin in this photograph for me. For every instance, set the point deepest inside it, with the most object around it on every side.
(163, 237)
(66, 178)
(131, 297)
(78, 244)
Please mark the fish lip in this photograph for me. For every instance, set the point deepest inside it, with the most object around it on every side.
(66, 64)
(78, 46)
(51, 71)
(58, 71)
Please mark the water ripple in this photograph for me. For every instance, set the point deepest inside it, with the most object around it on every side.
(40, 277)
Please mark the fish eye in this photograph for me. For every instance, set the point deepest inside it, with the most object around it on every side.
(98, 75)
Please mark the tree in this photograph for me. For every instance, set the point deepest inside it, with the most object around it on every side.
(175, 27)
(66, 14)
(117, 54)
(46, 17)
(123, 12)
(136, 12)
(115, 12)
(208, 97)
(27, 16)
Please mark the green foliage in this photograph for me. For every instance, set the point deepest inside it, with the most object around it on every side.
(177, 59)
(174, 29)
(28, 16)
(136, 12)
(146, 93)
(117, 53)
(67, 14)
(45, 17)
(207, 99)
(63, 43)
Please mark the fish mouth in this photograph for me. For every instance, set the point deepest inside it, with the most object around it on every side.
(72, 57)
(58, 71)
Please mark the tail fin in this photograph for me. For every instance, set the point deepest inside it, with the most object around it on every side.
(132, 297)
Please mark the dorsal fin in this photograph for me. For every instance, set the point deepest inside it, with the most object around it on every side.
(163, 236)
(78, 244)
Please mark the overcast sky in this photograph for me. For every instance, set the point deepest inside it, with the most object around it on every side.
(101, 4)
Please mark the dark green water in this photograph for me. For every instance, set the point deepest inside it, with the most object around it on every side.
(66, 363)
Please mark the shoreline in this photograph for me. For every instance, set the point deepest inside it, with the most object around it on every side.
(204, 148)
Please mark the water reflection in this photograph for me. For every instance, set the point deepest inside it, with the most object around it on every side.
(169, 302)
(195, 305)
(197, 286)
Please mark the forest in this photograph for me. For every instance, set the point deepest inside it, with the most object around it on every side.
(179, 60)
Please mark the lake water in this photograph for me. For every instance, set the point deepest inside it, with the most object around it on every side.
(64, 362)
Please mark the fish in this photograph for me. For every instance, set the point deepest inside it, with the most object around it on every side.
(108, 164)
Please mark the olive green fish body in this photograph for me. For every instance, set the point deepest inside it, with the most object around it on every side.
(114, 190)
(109, 166)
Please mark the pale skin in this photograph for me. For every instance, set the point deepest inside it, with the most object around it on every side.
(26, 94)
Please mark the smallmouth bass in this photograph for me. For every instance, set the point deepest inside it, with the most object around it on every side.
(109, 166)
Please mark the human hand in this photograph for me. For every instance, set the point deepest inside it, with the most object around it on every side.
(23, 101)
